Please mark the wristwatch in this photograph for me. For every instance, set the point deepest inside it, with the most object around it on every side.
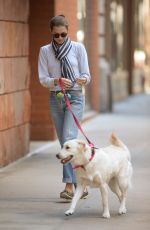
(55, 82)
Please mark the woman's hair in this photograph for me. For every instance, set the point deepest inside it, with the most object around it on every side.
(59, 20)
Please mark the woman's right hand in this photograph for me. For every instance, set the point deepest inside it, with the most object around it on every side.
(67, 83)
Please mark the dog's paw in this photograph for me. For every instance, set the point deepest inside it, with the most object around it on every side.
(69, 212)
(106, 215)
(122, 210)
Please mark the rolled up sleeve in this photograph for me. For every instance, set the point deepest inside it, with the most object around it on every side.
(83, 64)
(44, 76)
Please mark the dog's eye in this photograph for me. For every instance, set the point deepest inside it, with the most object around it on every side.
(67, 147)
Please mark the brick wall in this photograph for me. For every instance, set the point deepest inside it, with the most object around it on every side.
(14, 80)
(42, 127)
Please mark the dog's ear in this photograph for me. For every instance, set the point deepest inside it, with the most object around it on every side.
(82, 145)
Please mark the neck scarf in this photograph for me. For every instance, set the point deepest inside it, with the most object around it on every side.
(61, 52)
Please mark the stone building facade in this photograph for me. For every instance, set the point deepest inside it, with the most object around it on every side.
(15, 100)
(109, 33)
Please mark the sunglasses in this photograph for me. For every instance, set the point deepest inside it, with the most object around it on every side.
(63, 35)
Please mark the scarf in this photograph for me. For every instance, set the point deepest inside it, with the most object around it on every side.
(61, 52)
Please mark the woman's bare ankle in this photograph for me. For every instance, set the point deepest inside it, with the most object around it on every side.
(69, 187)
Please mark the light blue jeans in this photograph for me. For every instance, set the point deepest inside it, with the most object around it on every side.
(65, 125)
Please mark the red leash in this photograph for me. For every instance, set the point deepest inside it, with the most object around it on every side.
(76, 120)
(78, 125)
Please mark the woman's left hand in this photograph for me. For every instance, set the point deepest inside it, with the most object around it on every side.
(81, 81)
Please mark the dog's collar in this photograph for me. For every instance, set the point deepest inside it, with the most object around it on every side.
(91, 158)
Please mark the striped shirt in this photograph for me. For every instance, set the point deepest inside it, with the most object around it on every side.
(49, 67)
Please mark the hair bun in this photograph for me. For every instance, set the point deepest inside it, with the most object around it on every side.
(58, 20)
(62, 15)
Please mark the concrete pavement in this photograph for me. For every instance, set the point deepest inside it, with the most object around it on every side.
(29, 188)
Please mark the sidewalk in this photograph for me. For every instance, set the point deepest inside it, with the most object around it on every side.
(29, 189)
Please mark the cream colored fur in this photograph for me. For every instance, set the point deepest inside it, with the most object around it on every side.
(111, 166)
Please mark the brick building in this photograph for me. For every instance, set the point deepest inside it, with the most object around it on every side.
(105, 27)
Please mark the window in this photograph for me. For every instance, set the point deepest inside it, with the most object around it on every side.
(81, 15)
(116, 35)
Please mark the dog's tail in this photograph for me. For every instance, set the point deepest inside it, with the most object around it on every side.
(117, 142)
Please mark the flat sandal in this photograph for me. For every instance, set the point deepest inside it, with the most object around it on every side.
(66, 195)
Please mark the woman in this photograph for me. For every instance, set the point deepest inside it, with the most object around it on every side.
(66, 59)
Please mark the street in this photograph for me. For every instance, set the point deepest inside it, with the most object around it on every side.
(29, 188)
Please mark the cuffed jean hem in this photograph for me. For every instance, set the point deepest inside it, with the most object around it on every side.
(67, 180)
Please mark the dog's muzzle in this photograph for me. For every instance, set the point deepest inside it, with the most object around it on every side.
(65, 160)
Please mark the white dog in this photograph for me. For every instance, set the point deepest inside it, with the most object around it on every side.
(105, 166)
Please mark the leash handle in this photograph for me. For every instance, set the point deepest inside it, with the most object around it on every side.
(75, 119)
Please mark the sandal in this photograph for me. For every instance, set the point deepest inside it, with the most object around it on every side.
(66, 195)
(84, 195)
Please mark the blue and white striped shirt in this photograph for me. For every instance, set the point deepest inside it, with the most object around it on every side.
(49, 67)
